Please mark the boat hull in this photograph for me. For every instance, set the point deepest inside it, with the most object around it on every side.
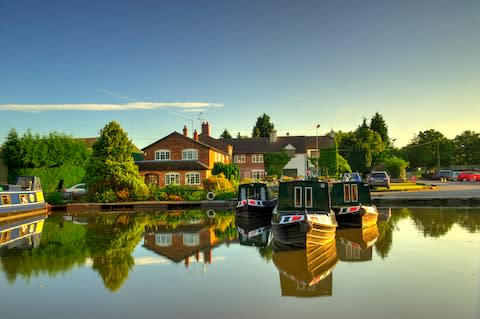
(255, 208)
(13, 203)
(365, 216)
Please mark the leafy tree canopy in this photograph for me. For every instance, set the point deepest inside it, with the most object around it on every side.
(275, 162)
(111, 173)
(225, 134)
(378, 125)
(263, 126)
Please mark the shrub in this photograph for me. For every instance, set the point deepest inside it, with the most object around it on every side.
(217, 183)
(54, 198)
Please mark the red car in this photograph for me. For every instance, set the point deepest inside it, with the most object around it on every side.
(469, 176)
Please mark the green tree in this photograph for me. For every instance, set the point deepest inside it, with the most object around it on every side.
(429, 149)
(343, 166)
(396, 167)
(378, 125)
(263, 127)
(467, 148)
(12, 151)
(230, 171)
(225, 134)
(275, 162)
(112, 173)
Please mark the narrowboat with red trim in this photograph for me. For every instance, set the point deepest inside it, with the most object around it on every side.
(255, 200)
(303, 206)
(255, 232)
(352, 204)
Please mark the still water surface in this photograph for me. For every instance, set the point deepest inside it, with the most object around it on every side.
(417, 263)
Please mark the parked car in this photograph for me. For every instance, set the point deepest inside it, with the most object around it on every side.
(455, 175)
(379, 178)
(444, 174)
(74, 191)
(352, 177)
(469, 176)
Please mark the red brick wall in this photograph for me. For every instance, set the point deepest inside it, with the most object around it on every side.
(248, 166)
(161, 176)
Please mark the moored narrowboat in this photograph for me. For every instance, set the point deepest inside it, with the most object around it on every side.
(25, 196)
(303, 206)
(352, 204)
(255, 200)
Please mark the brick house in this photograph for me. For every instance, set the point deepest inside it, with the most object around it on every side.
(179, 159)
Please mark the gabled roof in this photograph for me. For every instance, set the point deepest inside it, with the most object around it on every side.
(171, 165)
(263, 144)
(220, 143)
(186, 138)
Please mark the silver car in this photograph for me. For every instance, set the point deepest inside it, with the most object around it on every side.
(379, 178)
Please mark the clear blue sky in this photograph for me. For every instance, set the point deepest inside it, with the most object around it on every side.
(155, 65)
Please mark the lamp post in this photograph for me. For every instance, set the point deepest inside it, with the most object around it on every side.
(318, 151)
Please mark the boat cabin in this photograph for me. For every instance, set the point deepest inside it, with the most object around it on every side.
(351, 194)
(308, 195)
(257, 191)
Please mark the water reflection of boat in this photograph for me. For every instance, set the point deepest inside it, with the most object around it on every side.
(305, 272)
(254, 200)
(384, 214)
(353, 205)
(355, 244)
(254, 231)
(22, 232)
(303, 206)
(25, 196)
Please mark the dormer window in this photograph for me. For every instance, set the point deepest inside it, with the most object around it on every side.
(190, 154)
(162, 155)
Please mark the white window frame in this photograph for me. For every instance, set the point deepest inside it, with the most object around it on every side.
(239, 158)
(297, 196)
(308, 191)
(192, 178)
(257, 158)
(191, 239)
(258, 174)
(190, 154)
(163, 240)
(163, 155)
(247, 174)
(168, 178)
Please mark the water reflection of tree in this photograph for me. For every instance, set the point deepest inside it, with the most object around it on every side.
(111, 239)
(266, 252)
(435, 221)
(469, 219)
(385, 229)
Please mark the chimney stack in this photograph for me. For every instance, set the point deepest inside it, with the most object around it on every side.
(195, 135)
(273, 136)
(206, 128)
(185, 131)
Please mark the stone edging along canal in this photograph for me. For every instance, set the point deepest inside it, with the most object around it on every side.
(427, 202)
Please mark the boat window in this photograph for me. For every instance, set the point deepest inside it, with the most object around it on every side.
(243, 193)
(354, 193)
(23, 199)
(346, 193)
(298, 197)
(5, 200)
(263, 194)
(5, 237)
(308, 197)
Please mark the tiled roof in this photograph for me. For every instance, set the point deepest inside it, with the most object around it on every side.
(263, 144)
(171, 165)
(190, 139)
(220, 143)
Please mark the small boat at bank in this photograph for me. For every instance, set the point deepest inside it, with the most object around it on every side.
(303, 207)
(254, 200)
(22, 232)
(25, 196)
(352, 204)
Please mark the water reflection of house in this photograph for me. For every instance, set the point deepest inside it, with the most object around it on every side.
(186, 243)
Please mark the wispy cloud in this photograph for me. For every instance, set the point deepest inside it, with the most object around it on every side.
(108, 107)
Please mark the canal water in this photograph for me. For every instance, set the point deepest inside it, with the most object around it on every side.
(416, 263)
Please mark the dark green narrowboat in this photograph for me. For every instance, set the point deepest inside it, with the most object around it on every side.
(255, 200)
(303, 207)
(352, 204)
